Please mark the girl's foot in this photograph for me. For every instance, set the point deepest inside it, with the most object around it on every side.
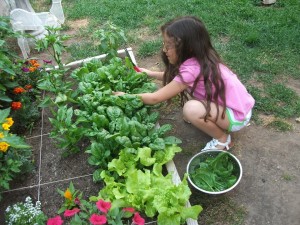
(214, 144)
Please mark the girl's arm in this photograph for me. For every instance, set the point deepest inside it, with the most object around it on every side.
(154, 74)
(163, 94)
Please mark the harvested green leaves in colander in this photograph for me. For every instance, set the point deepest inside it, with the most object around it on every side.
(214, 174)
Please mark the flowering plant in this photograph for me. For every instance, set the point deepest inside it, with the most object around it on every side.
(18, 81)
(79, 211)
(25, 213)
(15, 154)
(9, 62)
(21, 88)
(30, 72)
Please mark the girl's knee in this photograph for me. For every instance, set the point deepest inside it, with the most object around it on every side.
(192, 109)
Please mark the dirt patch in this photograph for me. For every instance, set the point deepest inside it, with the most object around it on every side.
(142, 34)
(75, 26)
(294, 85)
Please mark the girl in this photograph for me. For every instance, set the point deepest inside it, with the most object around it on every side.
(219, 103)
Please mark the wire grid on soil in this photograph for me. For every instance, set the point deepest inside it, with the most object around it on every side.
(51, 172)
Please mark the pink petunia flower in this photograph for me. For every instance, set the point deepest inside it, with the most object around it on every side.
(103, 206)
(138, 220)
(71, 212)
(131, 210)
(98, 219)
(55, 221)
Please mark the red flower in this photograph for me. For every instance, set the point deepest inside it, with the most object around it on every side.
(103, 206)
(19, 90)
(98, 219)
(16, 105)
(55, 221)
(138, 220)
(77, 201)
(28, 86)
(131, 210)
(72, 212)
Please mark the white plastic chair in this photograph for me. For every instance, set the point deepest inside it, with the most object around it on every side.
(32, 23)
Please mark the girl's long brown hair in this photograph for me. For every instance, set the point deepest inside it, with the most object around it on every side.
(192, 40)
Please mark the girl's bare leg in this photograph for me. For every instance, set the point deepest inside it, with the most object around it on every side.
(194, 112)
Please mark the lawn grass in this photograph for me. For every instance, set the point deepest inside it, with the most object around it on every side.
(260, 43)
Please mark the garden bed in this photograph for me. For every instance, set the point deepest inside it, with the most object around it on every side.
(53, 172)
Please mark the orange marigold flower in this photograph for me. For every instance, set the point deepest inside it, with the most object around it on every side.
(68, 194)
(36, 65)
(18, 90)
(4, 146)
(33, 61)
(32, 69)
(28, 86)
(16, 105)
(1, 135)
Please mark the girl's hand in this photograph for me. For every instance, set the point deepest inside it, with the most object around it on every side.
(154, 74)
(118, 93)
(145, 70)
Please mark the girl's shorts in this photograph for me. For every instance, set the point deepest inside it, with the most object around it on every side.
(235, 125)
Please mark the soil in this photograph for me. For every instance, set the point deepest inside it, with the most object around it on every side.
(268, 193)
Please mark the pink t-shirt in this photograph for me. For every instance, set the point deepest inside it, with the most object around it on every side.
(237, 97)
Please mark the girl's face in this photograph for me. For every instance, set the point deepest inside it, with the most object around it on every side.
(169, 49)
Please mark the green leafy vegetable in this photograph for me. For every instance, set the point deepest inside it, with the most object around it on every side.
(214, 174)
